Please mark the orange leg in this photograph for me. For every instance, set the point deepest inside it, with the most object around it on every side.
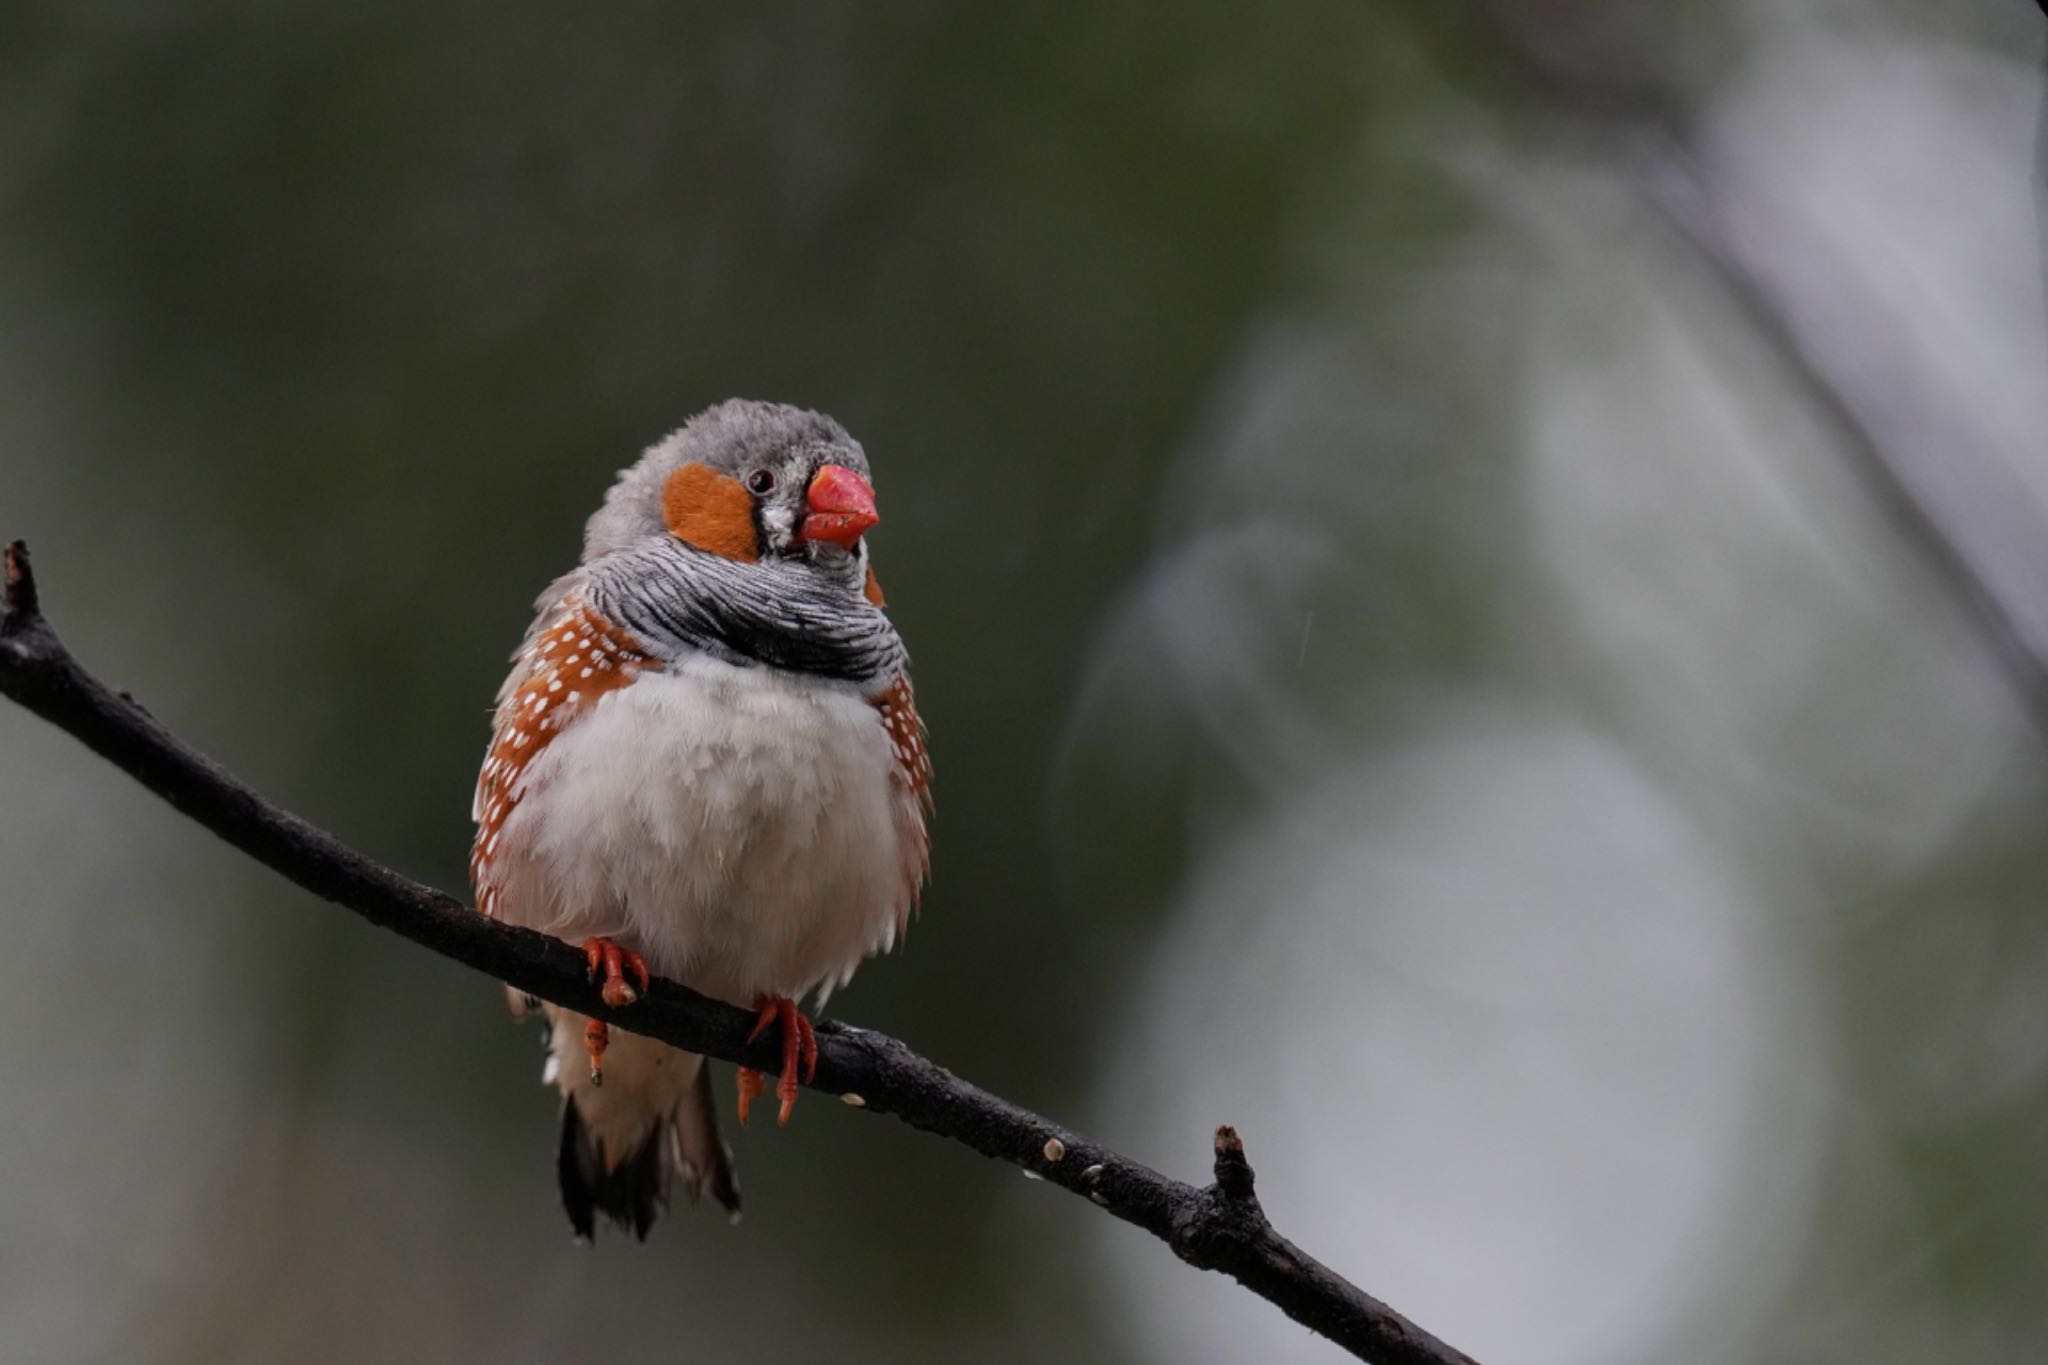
(799, 1048)
(615, 964)
(619, 968)
(752, 1083)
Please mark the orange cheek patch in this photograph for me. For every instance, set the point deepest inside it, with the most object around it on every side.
(710, 511)
(873, 590)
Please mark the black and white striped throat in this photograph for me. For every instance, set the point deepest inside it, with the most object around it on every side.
(779, 613)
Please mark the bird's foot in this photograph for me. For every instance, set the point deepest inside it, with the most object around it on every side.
(752, 1083)
(597, 1036)
(799, 1048)
(618, 968)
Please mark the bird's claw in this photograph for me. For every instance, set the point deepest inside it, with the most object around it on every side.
(619, 968)
(799, 1052)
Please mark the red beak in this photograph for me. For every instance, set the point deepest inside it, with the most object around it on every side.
(842, 506)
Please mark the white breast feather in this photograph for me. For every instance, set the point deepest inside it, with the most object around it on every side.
(744, 828)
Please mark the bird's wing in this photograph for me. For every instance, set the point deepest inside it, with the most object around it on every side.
(570, 658)
(896, 703)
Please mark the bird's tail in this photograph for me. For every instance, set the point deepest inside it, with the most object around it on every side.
(627, 1142)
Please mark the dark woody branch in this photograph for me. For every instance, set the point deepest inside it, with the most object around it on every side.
(1218, 1227)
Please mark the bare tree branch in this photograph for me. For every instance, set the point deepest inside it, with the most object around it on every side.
(1218, 1227)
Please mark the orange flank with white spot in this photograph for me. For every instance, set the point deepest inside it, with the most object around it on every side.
(566, 667)
(897, 706)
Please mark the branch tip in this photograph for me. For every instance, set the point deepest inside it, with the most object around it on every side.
(21, 583)
(1234, 1178)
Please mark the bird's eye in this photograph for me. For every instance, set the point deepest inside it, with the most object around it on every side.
(761, 480)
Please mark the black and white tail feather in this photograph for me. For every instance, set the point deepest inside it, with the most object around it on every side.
(632, 1193)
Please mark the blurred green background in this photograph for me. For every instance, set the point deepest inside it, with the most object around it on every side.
(1410, 673)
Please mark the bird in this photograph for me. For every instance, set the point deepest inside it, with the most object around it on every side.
(706, 763)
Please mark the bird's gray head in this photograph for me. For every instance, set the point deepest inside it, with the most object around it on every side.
(747, 481)
(741, 536)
